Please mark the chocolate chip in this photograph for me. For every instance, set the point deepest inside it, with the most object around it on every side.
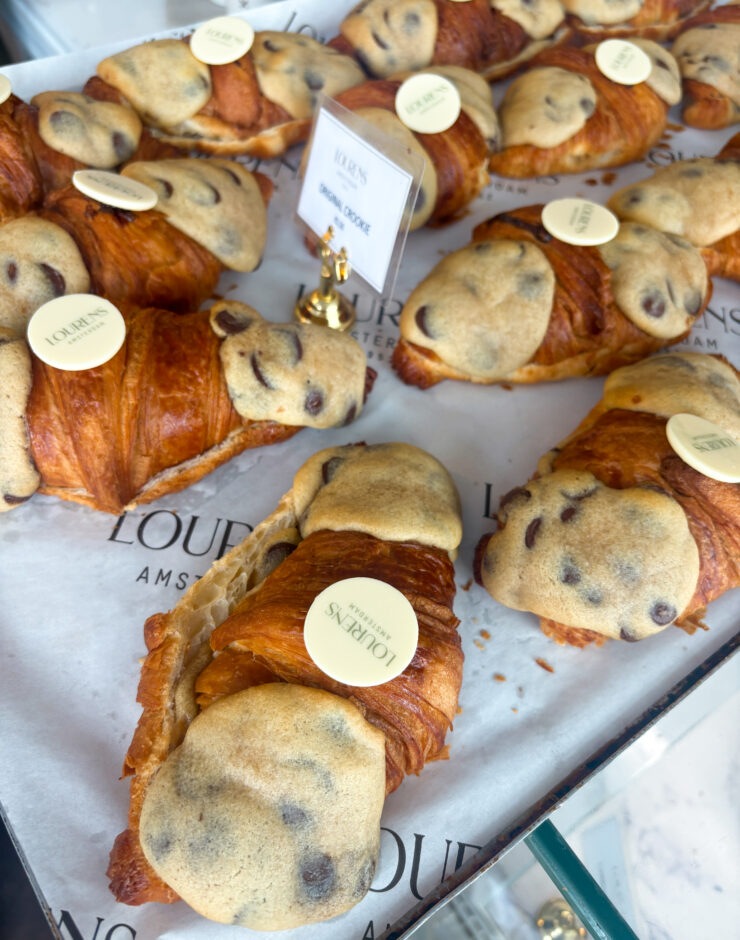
(669, 288)
(531, 534)
(293, 816)
(593, 596)
(411, 23)
(379, 41)
(14, 500)
(270, 46)
(276, 555)
(653, 303)
(232, 322)
(314, 402)
(55, 279)
(232, 174)
(210, 196)
(661, 64)
(329, 468)
(420, 318)
(11, 271)
(633, 198)
(626, 634)
(317, 876)
(717, 62)
(66, 124)
(365, 878)
(663, 613)
(530, 285)
(160, 845)
(569, 573)
(166, 186)
(692, 301)
(480, 247)
(259, 375)
(691, 173)
(567, 514)
(296, 346)
(350, 416)
(519, 494)
(314, 81)
(122, 146)
(587, 106)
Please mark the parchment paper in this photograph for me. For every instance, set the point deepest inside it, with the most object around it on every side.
(77, 585)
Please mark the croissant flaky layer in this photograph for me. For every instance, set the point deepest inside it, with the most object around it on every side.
(262, 642)
(153, 419)
(20, 184)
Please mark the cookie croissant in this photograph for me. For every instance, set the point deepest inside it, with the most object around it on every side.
(519, 305)
(616, 536)
(237, 636)
(184, 394)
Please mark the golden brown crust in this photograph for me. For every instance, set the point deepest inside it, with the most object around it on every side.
(657, 19)
(20, 183)
(587, 333)
(135, 258)
(627, 121)
(150, 421)
(458, 154)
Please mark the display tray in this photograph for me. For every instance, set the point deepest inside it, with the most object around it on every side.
(535, 718)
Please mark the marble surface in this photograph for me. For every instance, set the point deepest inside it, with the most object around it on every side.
(658, 828)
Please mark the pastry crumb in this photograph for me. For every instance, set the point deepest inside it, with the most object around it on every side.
(467, 585)
(543, 664)
(499, 677)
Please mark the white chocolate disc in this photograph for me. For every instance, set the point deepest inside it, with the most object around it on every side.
(361, 631)
(705, 446)
(5, 89)
(428, 103)
(623, 62)
(579, 221)
(114, 190)
(221, 40)
(76, 332)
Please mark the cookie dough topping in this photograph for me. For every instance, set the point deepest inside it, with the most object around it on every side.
(538, 18)
(404, 494)
(296, 374)
(545, 107)
(390, 124)
(392, 35)
(162, 80)
(698, 199)
(293, 69)
(484, 309)
(676, 383)
(710, 54)
(659, 281)
(217, 203)
(38, 262)
(543, 559)
(664, 78)
(19, 478)
(293, 776)
(100, 134)
(603, 12)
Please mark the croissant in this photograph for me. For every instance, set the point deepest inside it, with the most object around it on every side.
(706, 52)
(210, 216)
(492, 37)
(616, 536)
(519, 305)
(258, 105)
(697, 199)
(650, 19)
(455, 159)
(184, 394)
(388, 512)
(20, 183)
(565, 116)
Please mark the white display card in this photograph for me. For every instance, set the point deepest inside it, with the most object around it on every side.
(364, 184)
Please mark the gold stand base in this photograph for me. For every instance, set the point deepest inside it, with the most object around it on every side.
(333, 311)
